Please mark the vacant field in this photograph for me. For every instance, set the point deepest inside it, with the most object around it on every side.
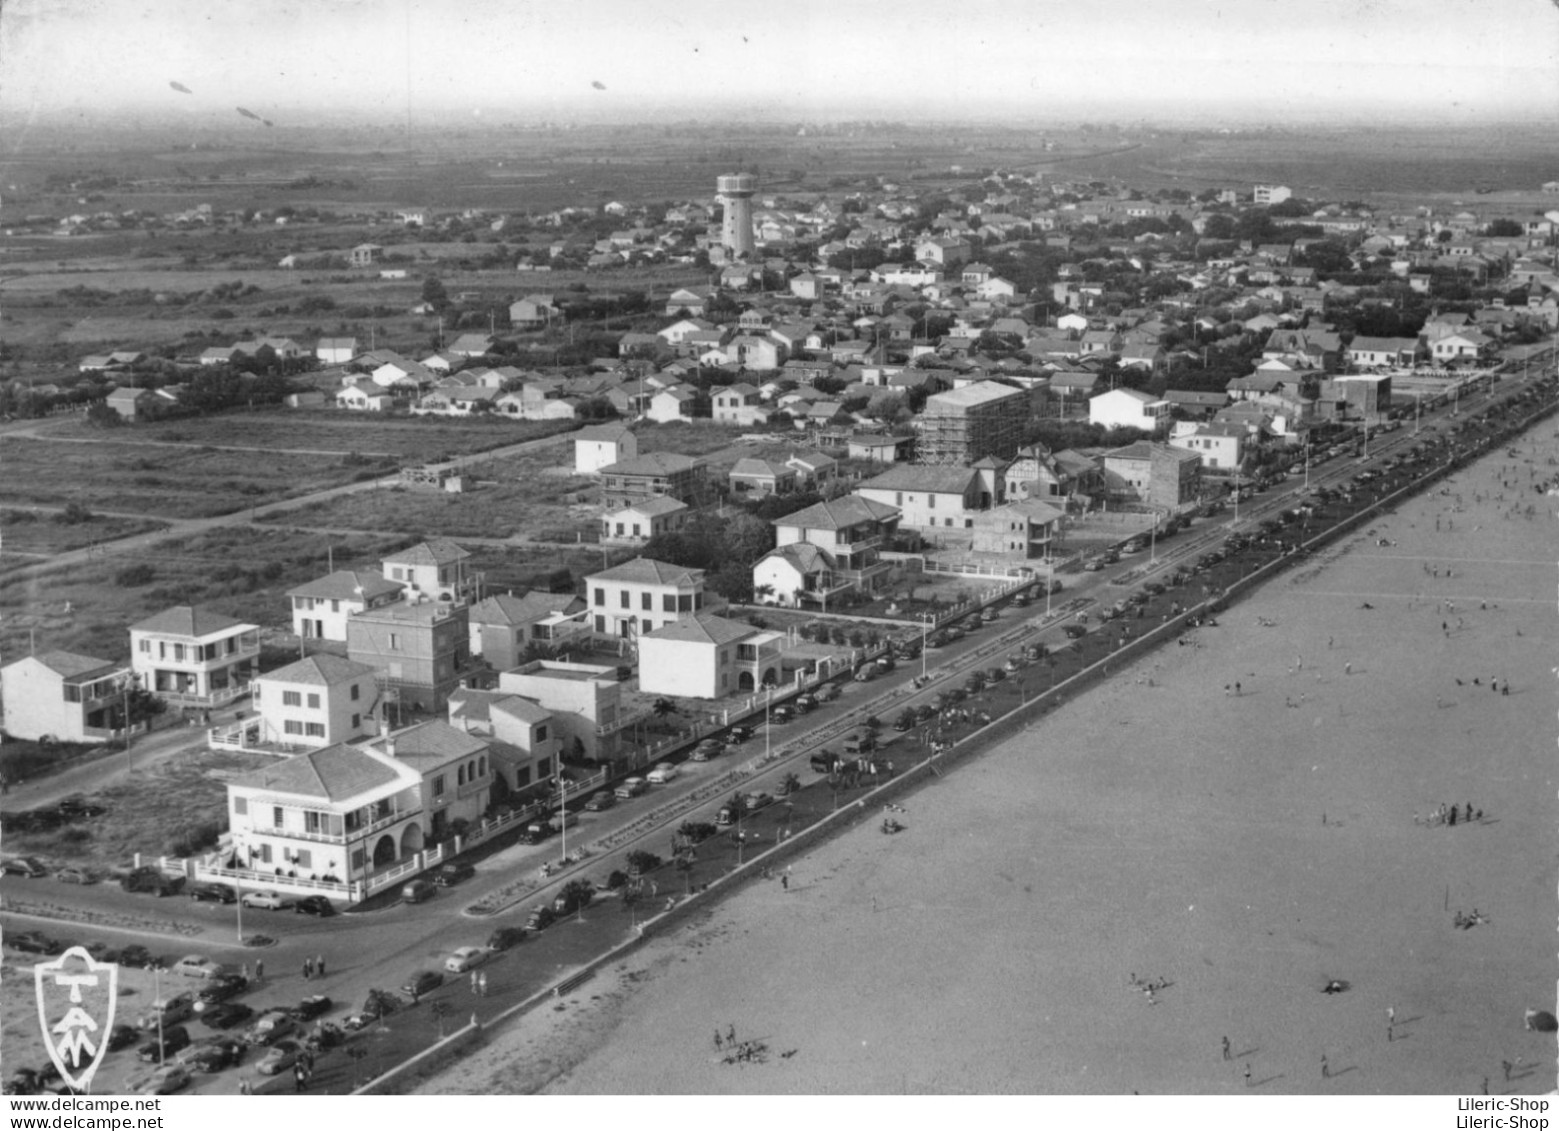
(520, 570)
(29, 532)
(149, 812)
(243, 571)
(411, 439)
(162, 482)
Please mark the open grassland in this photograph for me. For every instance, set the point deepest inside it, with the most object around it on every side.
(153, 811)
(163, 482)
(519, 570)
(243, 571)
(409, 439)
(33, 533)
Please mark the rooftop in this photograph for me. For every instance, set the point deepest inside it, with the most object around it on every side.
(187, 620)
(323, 668)
(648, 571)
(334, 773)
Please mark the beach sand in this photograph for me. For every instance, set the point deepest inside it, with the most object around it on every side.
(1242, 849)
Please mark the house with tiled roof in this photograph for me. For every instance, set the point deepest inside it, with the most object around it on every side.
(642, 595)
(754, 477)
(317, 701)
(503, 626)
(707, 656)
(684, 478)
(64, 696)
(599, 445)
(320, 608)
(335, 351)
(1024, 528)
(938, 497)
(847, 534)
(525, 739)
(1153, 473)
(636, 523)
(194, 657)
(435, 569)
(1128, 408)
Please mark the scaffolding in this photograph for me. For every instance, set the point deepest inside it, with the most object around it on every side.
(959, 427)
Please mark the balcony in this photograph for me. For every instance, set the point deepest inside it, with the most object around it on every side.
(217, 697)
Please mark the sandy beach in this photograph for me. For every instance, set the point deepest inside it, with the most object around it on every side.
(1243, 849)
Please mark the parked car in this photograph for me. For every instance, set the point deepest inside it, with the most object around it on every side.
(314, 905)
(826, 693)
(1094, 564)
(212, 893)
(505, 937)
(805, 703)
(270, 900)
(75, 876)
(782, 714)
(167, 1079)
(33, 942)
(134, 955)
(988, 614)
(27, 866)
(315, 1005)
(540, 919)
(418, 891)
(1075, 631)
(226, 1015)
(278, 1058)
(465, 958)
(661, 774)
(196, 966)
(220, 988)
(451, 874)
(600, 800)
(865, 673)
(169, 1010)
(122, 1037)
(741, 733)
(629, 787)
(174, 1038)
(273, 1025)
(213, 1054)
(148, 879)
(422, 982)
(757, 800)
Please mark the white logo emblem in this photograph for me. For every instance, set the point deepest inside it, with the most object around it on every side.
(76, 1012)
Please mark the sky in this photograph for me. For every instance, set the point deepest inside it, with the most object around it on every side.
(527, 60)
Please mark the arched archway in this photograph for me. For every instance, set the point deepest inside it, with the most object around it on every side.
(384, 851)
(744, 681)
(771, 677)
(411, 840)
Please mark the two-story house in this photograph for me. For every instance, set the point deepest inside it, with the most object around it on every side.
(420, 648)
(321, 608)
(642, 595)
(584, 700)
(636, 523)
(317, 701)
(193, 657)
(435, 569)
(65, 696)
(931, 496)
(657, 474)
(526, 740)
(1128, 408)
(1221, 446)
(825, 549)
(738, 404)
(707, 657)
(1156, 474)
(600, 445)
(504, 626)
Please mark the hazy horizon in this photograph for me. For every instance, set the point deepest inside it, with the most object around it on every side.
(414, 63)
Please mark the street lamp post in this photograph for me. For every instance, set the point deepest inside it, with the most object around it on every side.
(563, 814)
(925, 630)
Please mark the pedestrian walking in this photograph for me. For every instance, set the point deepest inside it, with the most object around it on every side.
(319, 966)
(473, 983)
(717, 1040)
(1505, 1064)
(244, 970)
(259, 971)
(1391, 1010)
(1238, 690)
(481, 984)
(244, 1088)
(785, 882)
(308, 969)
(1247, 1075)
(730, 1034)
(1326, 1069)
(297, 1077)
(1227, 1053)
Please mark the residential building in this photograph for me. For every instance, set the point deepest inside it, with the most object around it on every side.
(637, 523)
(1271, 194)
(320, 608)
(526, 742)
(335, 351)
(600, 445)
(455, 772)
(420, 648)
(962, 425)
(641, 478)
(825, 549)
(750, 476)
(1153, 473)
(65, 696)
(193, 657)
(670, 405)
(813, 469)
(504, 626)
(738, 404)
(706, 656)
(533, 311)
(1037, 473)
(435, 569)
(1220, 446)
(1128, 408)
(317, 701)
(1026, 528)
(938, 497)
(584, 700)
(1393, 352)
(641, 595)
(879, 447)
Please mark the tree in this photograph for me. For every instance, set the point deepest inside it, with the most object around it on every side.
(434, 294)
(100, 415)
(1504, 227)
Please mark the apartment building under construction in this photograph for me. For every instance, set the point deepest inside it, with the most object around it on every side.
(963, 425)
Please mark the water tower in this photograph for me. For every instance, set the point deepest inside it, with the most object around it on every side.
(735, 193)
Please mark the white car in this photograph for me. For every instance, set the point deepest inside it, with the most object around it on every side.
(169, 1078)
(196, 966)
(661, 774)
(465, 958)
(271, 900)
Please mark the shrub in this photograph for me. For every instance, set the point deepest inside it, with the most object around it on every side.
(132, 576)
(195, 840)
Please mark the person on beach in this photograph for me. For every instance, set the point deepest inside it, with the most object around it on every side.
(1229, 1055)
(319, 966)
(1247, 1075)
